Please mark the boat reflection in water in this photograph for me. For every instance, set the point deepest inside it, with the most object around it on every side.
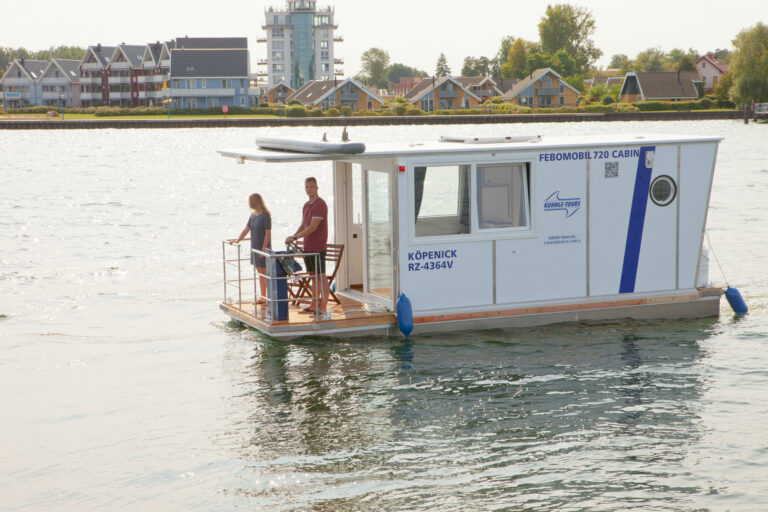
(492, 418)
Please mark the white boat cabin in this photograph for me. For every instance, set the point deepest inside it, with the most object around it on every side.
(482, 233)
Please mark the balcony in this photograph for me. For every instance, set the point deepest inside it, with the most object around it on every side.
(54, 81)
(56, 95)
(261, 40)
(90, 80)
(339, 72)
(119, 80)
(118, 96)
(547, 91)
(120, 65)
(448, 94)
(91, 66)
(202, 93)
(338, 39)
(338, 61)
(349, 96)
(90, 96)
(149, 79)
(143, 95)
(262, 73)
(262, 62)
(16, 81)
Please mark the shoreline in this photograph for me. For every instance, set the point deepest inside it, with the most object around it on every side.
(89, 124)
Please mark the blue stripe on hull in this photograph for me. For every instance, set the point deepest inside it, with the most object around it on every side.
(636, 222)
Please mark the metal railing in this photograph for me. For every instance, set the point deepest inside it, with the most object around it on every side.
(233, 257)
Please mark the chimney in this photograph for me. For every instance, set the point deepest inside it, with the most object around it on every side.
(21, 61)
(98, 48)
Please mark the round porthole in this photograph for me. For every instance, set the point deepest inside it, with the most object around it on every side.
(663, 190)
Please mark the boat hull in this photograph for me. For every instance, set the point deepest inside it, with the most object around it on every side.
(702, 303)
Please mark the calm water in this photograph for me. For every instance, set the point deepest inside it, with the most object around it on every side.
(124, 388)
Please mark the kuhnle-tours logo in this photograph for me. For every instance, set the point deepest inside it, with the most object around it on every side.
(569, 205)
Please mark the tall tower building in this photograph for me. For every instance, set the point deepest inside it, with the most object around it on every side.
(300, 44)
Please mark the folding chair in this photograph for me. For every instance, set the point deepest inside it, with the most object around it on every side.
(300, 287)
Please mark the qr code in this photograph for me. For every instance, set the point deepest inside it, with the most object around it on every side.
(611, 169)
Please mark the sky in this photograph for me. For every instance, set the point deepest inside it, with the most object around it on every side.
(413, 32)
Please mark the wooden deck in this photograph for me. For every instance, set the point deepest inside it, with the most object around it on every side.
(350, 318)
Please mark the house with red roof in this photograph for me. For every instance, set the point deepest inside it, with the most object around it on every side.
(711, 71)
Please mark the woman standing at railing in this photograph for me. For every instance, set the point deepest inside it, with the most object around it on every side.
(260, 226)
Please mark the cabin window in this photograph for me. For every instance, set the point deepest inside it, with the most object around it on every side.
(441, 200)
(663, 190)
(502, 196)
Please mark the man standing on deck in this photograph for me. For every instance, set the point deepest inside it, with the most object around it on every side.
(314, 231)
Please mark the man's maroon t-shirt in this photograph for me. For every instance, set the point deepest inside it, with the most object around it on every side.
(317, 241)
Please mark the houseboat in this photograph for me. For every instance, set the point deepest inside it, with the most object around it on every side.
(474, 233)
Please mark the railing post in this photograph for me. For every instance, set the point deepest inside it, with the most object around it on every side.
(239, 280)
(255, 287)
(224, 264)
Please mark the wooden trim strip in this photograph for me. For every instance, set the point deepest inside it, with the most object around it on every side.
(555, 309)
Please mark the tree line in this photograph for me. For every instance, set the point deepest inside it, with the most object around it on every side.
(565, 44)
(8, 55)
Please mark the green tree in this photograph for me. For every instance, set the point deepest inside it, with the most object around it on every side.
(8, 55)
(722, 55)
(442, 68)
(67, 52)
(617, 61)
(649, 60)
(723, 89)
(516, 64)
(480, 66)
(536, 61)
(576, 81)
(686, 63)
(397, 71)
(501, 55)
(749, 65)
(374, 63)
(563, 63)
(569, 28)
(672, 60)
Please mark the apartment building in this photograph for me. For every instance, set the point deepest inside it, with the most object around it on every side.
(94, 89)
(205, 78)
(60, 83)
(300, 44)
(20, 83)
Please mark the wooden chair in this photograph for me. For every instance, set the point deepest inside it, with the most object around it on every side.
(300, 286)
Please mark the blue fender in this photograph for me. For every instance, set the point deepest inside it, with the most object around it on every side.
(736, 301)
(404, 315)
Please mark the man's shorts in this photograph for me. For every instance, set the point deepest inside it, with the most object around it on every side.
(309, 261)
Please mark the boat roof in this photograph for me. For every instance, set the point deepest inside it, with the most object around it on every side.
(467, 146)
